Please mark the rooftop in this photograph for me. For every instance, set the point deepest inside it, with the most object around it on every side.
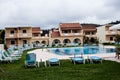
(66, 26)
(89, 27)
(55, 34)
(35, 29)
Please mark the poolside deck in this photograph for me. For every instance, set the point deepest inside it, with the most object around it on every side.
(43, 55)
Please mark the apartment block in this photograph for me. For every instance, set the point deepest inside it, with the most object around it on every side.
(65, 34)
(23, 36)
(89, 32)
(105, 34)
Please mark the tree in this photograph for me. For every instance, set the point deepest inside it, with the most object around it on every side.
(2, 36)
(117, 39)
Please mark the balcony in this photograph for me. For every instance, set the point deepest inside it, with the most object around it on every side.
(10, 35)
(91, 35)
(71, 34)
(25, 35)
(40, 37)
(112, 32)
(19, 35)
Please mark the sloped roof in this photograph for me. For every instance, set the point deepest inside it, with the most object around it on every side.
(89, 27)
(18, 26)
(55, 34)
(66, 26)
(35, 29)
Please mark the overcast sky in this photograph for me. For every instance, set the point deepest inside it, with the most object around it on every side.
(49, 13)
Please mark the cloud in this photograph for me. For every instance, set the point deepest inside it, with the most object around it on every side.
(47, 14)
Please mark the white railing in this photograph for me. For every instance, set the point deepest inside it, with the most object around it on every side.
(111, 32)
(71, 34)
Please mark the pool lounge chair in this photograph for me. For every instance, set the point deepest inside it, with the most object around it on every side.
(77, 60)
(15, 52)
(53, 61)
(13, 57)
(6, 58)
(95, 59)
(30, 60)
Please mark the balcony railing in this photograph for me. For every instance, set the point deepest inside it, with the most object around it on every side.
(18, 35)
(10, 35)
(40, 37)
(23, 35)
(111, 32)
(71, 34)
(91, 35)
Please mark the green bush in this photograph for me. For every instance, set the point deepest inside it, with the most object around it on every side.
(107, 43)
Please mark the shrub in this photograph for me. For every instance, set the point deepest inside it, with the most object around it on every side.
(108, 43)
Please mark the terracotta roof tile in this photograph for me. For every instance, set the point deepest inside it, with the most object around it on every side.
(55, 34)
(89, 27)
(66, 26)
(35, 29)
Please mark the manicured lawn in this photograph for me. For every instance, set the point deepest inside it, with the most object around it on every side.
(108, 70)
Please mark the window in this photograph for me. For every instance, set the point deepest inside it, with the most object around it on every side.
(24, 31)
(111, 38)
(87, 33)
(24, 41)
(66, 31)
(12, 42)
(75, 31)
(93, 33)
(35, 35)
(11, 32)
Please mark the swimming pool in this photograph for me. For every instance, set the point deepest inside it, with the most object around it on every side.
(82, 50)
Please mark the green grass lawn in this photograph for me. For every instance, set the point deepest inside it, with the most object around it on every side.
(108, 70)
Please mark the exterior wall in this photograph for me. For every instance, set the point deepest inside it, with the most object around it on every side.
(40, 40)
(90, 35)
(104, 34)
(8, 35)
(27, 34)
(71, 33)
(101, 34)
(108, 38)
(62, 39)
(18, 35)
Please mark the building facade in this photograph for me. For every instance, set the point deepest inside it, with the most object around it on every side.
(18, 36)
(65, 34)
(104, 34)
(89, 32)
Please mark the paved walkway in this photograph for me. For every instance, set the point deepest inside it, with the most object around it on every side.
(112, 59)
(43, 55)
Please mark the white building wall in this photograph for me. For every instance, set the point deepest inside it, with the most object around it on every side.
(101, 33)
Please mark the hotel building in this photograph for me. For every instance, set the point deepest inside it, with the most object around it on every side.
(104, 34)
(65, 34)
(24, 35)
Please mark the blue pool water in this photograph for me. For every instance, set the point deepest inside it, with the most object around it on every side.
(81, 50)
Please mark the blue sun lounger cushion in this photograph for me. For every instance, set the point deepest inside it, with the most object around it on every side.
(53, 61)
(95, 59)
(30, 60)
(78, 60)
